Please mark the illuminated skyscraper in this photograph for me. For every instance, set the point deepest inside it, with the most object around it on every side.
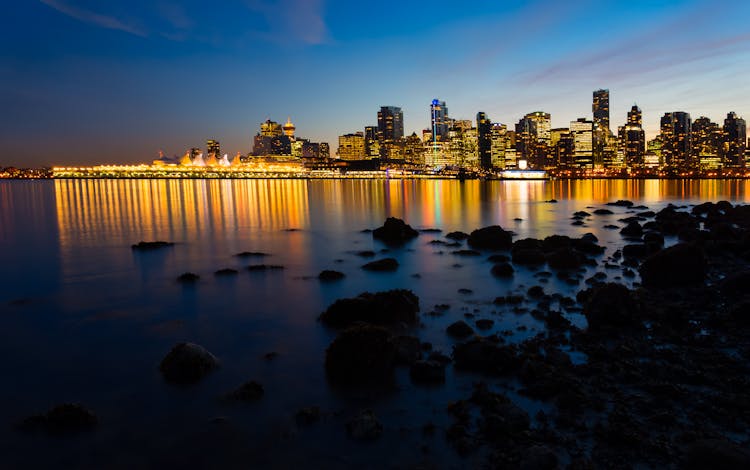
(602, 137)
(484, 141)
(439, 119)
(735, 140)
(390, 123)
(677, 140)
(707, 143)
(352, 146)
(372, 146)
(633, 138)
(213, 147)
(600, 108)
(289, 128)
(582, 131)
(270, 129)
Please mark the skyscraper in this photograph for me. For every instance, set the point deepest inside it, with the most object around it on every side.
(390, 123)
(352, 146)
(439, 119)
(582, 131)
(372, 146)
(600, 107)
(677, 140)
(213, 147)
(484, 141)
(633, 138)
(735, 140)
(707, 142)
(602, 135)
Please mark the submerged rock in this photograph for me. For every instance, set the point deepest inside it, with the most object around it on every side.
(483, 355)
(716, 453)
(491, 238)
(427, 372)
(362, 354)
(365, 426)
(621, 203)
(150, 246)
(610, 306)
(459, 329)
(188, 278)
(385, 264)
(679, 265)
(226, 272)
(330, 275)
(502, 270)
(457, 236)
(394, 232)
(603, 212)
(633, 229)
(247, 392)
(67, 418)
(187, 363)
(381, 308)
(264, 267)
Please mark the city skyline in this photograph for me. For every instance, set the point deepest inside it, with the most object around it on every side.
(119, 83)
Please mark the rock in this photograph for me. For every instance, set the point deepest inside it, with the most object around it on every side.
(538, 457)
(151, 246)
(536, 292)
(621, 203)
(483, 355)
(465, 291)
(458, 236)
(251, 254)
(329, 275)
(551, 201)
(498, 258)
(365, 426)
(247, 392)
(528, 256)
(503, 270)
(716, 453)
(362, 354)
(635, 251)
(394, 232)
(565, 259)
(679, 265)
(187, 363)
(408, 349)
(307, 416)
(610, 306)
(67, 418)
(485, 324)
(735, 284)
(603, 212)
(427, 372)
(264, 267)
(459, 329)
(385, 264)
(467, 253)
(381, 308)
(365, 253)
(226, 272)
(654, 238)
(188, 278)
(581, 214)
(578, 223)
(430, 230)
(491, 238)
(633, 229)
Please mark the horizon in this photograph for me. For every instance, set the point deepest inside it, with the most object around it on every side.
(118, 83)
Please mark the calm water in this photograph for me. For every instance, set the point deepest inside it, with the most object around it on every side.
(86, 319)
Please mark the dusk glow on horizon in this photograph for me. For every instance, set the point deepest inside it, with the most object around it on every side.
(85, 82)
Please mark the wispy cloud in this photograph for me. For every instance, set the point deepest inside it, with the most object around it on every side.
(91, 17)
(297, 20)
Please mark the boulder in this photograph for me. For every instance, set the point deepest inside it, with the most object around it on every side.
(151, 246)
(381, 308)
(457, 236)
(394, 232)
(188, 278)
(503, 270)
(716, 453)
(603, 212)
(385, 264)
(67, 418)
(247, 392)
(491, 238)
(459, 329)
(187, 363)
(408, 349)
(330, 275)
(538, 457)
(427, 372)
(485, 323)
(361, 355)
(610, 305)
(565, 258)
(679, 265)
(364, 426)
(483, 355)
(226, 272)
(621, 203)
(633, 229)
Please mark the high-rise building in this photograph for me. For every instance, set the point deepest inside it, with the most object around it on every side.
(677, 140)
(498, 145)
(439, 119)
(372, 145)
(600, 108)
(633, 139)
(603, 149)
(582, 131)
(390, 123)
(484, 141)
(270, 129)
(213, 148)
(735, 140)
(532, 138)
(271, 140)
(352, 146)
(707, 143)
(289, 128)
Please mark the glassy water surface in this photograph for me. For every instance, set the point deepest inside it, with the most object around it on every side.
(87, 319)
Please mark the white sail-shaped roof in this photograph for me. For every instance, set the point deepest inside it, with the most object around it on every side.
(199, 160)
(224, 161)
(211, 161)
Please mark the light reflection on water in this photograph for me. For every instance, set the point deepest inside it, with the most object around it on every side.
(98, 317)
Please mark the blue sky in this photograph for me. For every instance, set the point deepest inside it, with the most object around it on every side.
(85, 81)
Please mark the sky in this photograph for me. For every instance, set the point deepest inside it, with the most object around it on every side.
(88, 82)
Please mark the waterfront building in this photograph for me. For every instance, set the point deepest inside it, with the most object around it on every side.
(390, 123)
(289, 128)
(532, 138)
(562, 148)
(654, 157)
(352, 146)
(372, 145)
(213, 147)
(498, 145)
(600, 109)
(707, 140)
(603, 147)
(440, 122)
(271, 140)
(633, 139)
(582, 131)
(676, 138)
(484, 141)
(270, 129)
(414, 150)
(735, 140)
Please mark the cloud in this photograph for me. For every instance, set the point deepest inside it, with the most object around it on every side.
(97, 19)
(297, 20)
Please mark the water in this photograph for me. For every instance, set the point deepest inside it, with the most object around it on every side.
(86, 319)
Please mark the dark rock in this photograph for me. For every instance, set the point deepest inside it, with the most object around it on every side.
(503, 270)
(394, 232)
(483, 355)
(577, 223)
(610, 306)
(491, 238)
(465, 291)
(587, 246)
(427, 372)
(187, 363)
(716, 453)
(67, 418)
(485, 324)
(247, 392)
(565, 259)
(621, 203)
(188, 278)
(226, 272)
(251, 254)
(528, 256)
(365, 426)
(329, 275)
(635, 251)
(385, 264)
(408, 349)
(362, 354)
(365, 253)
(430, 230)
(538, 457)
(458, 236)
(498, 258)
(589, 238)
(459, 329)
(603, 212)
(633, 229)
(735, 284)
(307, 416)
(150, 246)
(551, 201)
(508, 299)
(536, 292)
(581, 214)
(264, 267)
(654, 238)
(381, 308)
(467, 253)
(678, 265)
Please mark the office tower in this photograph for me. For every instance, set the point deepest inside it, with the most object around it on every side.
(633, 139)
(439, 119)
(213, 148)
(707, 142)
(270, 129)
(324, 151)
(414, 150)
(602, 138)
(600, 108)
(498, 144)
(372, 146)
(484, 141)
(582, 131)
(271, 140)
(676, 140)
(532, 138)
(735, 140)
(289, 128)
(390, 123)
(352, 146)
